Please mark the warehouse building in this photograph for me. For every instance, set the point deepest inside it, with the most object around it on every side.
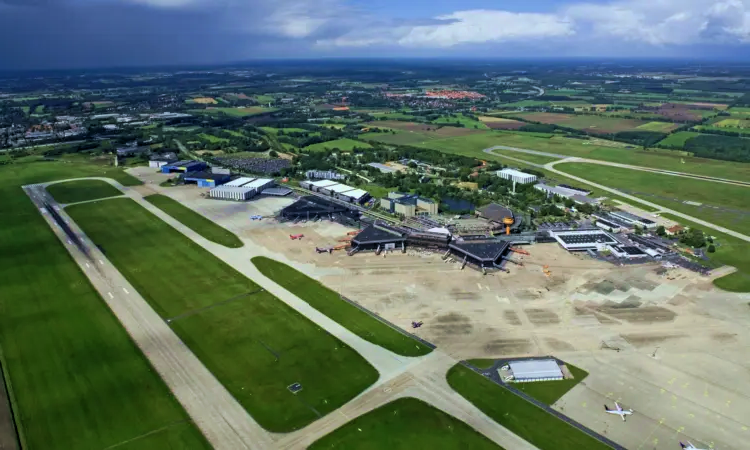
(240, 181)
(606, 225)
(634, 220)
(582, 240)
(158, 161)
(206, 179)
(316, 186)
(516, 176)
(627, 252)
(535, 370)
(236, 193)
(340, 191)
(408, 205)
(561, 190)
(324, 174)
(481, 253)
(184, 167)
(259, 184)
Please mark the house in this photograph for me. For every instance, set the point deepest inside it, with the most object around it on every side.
(677, 229)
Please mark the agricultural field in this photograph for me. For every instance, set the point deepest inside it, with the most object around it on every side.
(76, 378)
(501, 123)
(661, 127)
(517, 415)
(82, 191)
(677, 140)
(467, 122)
(739, 111)
(275, 131)
(593, 124)
(341, 144)
(732, 123)
(330, 303)
(393, 116)
(252, 342)
(404, 424)
(196, 222)
(212, 139)
(235, 112)
(202, 101)
(714, 128)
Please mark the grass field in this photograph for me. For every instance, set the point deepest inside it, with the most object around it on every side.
(196, 222)
(536, 159)
(235, 112)
(332, 305)
(213, 139)
(275, 131)
(460, 118)
(662, 127)
(341, 144)
(77, 379)
(404, 424)
(252, 342)
(394, 115)
(678, 139)
(591, 123)
(82, 190)
(517, 415)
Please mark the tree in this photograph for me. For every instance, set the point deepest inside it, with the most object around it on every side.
(273, 154)
(711, 248)
(661, 231)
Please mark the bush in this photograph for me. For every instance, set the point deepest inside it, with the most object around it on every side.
(711, 248)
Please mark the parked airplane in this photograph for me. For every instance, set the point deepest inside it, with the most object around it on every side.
(417, 324)
(294, 237)
(619, 411)
(690, 446)
(323, 250)
(256, 217)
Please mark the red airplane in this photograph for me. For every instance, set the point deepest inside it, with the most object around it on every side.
(296, 236)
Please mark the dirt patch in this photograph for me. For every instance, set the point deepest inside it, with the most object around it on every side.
(647, 314)
(541, 317)
(463, 295)
(508, 347)
(724, 338)
(558, 345)
(511, 317)
(452, 324)
(647, 340)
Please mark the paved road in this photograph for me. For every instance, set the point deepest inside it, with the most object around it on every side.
(551, 167)
(223, 421)
(569, 159)
(422, 377)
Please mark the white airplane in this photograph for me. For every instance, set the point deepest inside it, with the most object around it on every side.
(619, 411)
(689, 446)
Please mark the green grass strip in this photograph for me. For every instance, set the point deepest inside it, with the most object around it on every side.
(253, 343)
(196, 222)
(526, 420)
(12, 402)
(332, 305)
(405, 424)
(82, 191)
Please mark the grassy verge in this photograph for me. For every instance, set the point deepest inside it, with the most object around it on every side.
(77, 379)
(196, 222)
(330, 303)
(404, 424)
(253, 343)
(529, 422)
(82, 191)
(730, 251)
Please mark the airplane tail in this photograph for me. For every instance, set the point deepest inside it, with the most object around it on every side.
(682, 445)
(605, 408)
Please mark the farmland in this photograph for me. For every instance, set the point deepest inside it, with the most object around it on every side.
(235, 112)
(196, 222)
(253, 335)
(82, 190)
(341, 144)
(524, 419)
(77, 380)
(330, 303)
(404, 424)
(593, 124)
(662, 127)
(460, 119)
(501, 123)
(677, 140)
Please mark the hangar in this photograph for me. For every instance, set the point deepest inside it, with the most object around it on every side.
(582, 240)
(240, 189)
(206, 179)
(379, 237)
(312, 207)
(184, 167)
(535, 370)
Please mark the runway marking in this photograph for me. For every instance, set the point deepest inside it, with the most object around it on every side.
(681, 429)
(684, 386)
(126, 291)
(87, 265)
(729, 402)
(671, 382)
(110, 295)
(583, 404)
(744, 428)
(101, 262)
(479, 286)
(662, 391)
(69, 243)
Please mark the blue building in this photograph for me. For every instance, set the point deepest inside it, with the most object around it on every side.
(184, 167)
(206, 179)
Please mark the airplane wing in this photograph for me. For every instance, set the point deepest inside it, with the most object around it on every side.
(617, 405)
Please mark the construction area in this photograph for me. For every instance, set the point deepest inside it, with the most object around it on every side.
(652, 336)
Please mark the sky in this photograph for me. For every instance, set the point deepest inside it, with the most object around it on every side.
(58, 34)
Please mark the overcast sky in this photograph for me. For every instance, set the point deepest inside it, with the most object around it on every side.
(38, 34)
